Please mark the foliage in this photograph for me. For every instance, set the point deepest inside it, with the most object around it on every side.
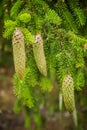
(62, 25)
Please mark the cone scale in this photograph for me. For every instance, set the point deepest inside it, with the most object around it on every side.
(19, 52)
(39, 55)
(68, 93)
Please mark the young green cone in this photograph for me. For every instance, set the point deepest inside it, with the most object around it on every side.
(68, 93)
(39, 55)
(19, 52)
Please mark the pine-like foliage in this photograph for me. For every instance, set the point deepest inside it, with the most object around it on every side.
(62, 50)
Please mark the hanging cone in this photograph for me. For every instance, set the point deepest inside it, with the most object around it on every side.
(68, 93)
(60, 101)
(19, 52)
(39, 55)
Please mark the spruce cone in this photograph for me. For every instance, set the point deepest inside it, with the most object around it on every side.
(19, 52)
(68, 93)
(39, 55)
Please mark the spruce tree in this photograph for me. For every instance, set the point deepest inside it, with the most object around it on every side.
(60, 55)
